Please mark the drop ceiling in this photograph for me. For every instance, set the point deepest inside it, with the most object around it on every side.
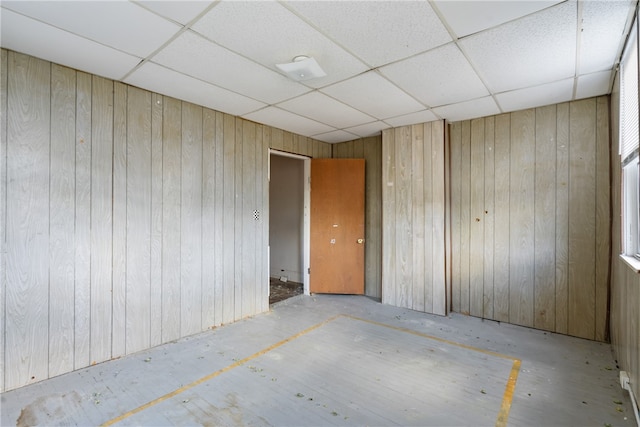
(388, 63)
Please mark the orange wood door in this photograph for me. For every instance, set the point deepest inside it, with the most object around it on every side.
(337, 226)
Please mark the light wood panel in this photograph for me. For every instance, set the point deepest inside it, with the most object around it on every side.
(537, 265)
(413, 194)
(3, 193)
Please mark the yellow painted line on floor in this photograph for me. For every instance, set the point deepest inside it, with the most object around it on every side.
(507, 398)
(216, 373)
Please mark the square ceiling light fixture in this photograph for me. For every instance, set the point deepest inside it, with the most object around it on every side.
(302, 68)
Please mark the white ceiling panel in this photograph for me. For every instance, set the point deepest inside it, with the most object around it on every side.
(551, 93)
(118, 24)
(326, 110)
(468, 110)
(368, 129)
(279, 36)
(156, 78)
(408, 119)
(182, 12)
(538, 49)
(378, 32)
(335, 136)
(468, 17)
(600, 34)
(374, 95)
(450, 77)
(224, 68)
(282, 119)
(595, 84)
(25, 35)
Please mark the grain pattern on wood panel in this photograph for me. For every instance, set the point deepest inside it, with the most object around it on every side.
(373, 224)
(287, 141)
(545, 216)
(261, 240)
(447, 216)
(404, 252)
(439, 211)
(61, 226)
(156, 220)
(603, 238)
(388, 217)
(358, 148)
(228, 306)
(250, 222)
(191, 221)
(465, 217)
(218, 250)
(582, 221)
(3, 193)
(138, 296)
(119, 285)
(425, 267)
(239, 220)
(28, 148)
(101, 217)
(418, 220)
(562, 218)
(521, 246)
(82, 299)
(171, 224)
(502, 156)
(277, 139)
(455, 140)
(489, 215)
(476, 225)
(208, 217)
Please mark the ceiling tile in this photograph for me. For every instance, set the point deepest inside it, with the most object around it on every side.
(538, 96)
(468, 110)
(324, 109)
(193, 55)
(595, 84)
(25, 35)
(335, 136)
(374, 95)
(158, 79)
(602, 24)
(118, 24)
(468, 17)
(183, 11)
(277, 37)
(412, 119)
(510, 56)
(368, 129)
(378, 32)
(285, 120)
(438, 77)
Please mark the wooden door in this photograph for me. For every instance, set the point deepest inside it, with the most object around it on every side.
(337, 226)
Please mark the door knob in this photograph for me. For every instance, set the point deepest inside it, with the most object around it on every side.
(360, 241)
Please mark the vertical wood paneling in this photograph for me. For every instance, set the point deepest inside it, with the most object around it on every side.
(27, 220)
(582, 218)
(138, 293)
(465, 217)
(455, 140)
(3, 219)
(229, 218)
(372, 152)
(522, 193)
(171, 224)
(545, 212)
(249, 230)
(218, 252)
(261, 293)
(277, 139)
(489, 217)
(119, 298)
(562, 218)
(61, 227)
(191, 221)
(156, 220)
(502, 237)
(439, 237)
(82, 300)
(209, 218)
(388, 217)
(418, 213)
(425, 169)
(476, 224)
(240, 219)
(404, 207)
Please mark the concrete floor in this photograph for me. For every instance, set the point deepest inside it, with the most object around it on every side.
(341, 360)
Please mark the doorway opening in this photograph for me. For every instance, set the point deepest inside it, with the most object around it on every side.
(288, 225)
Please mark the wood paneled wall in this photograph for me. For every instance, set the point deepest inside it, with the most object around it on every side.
(369, 149)
(530, 217)
(413, 217)
(131, 219)
(625, 282)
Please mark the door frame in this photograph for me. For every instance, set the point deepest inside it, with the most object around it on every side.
(306, 222)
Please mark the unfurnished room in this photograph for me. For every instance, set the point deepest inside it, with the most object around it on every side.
(309, 213)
